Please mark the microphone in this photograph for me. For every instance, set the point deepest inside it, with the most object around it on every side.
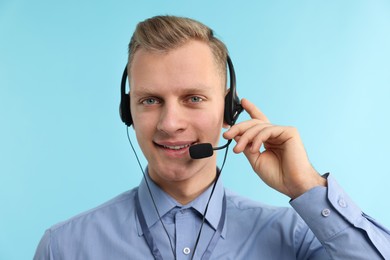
(204, 150)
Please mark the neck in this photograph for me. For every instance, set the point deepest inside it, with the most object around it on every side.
(185, 194)
(186, 190)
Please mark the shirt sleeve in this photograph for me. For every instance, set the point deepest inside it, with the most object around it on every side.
(339, 224)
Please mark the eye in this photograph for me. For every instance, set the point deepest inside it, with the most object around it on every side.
(150, 101)
(195, 99)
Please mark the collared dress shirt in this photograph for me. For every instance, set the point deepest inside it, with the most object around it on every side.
(324, 224)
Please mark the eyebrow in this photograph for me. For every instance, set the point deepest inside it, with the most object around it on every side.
(185, 91)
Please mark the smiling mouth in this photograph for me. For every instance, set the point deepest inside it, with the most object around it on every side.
(175, 147)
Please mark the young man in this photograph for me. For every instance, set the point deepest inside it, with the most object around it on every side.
(177, 73)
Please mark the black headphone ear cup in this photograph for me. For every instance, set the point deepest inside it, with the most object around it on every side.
(124, 106)
(228, 111)
(124, 110)
(233, 108)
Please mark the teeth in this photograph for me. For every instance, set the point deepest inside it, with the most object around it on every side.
(177, 147)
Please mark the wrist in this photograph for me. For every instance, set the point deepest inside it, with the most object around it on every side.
(315, 181)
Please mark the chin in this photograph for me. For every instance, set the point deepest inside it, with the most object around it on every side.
(173, 172)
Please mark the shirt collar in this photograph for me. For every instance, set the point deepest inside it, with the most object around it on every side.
(165, 202)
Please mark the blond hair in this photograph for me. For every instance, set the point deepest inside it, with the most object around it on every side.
(164, 33)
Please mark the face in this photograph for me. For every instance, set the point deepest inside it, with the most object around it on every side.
(177, 100)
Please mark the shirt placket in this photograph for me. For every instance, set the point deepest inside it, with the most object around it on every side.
(185, 234)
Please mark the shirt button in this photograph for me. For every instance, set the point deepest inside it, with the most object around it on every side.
(186, 250)
(325, 212)
(342, 203)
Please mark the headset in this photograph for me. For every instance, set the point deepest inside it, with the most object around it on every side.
(232, 109)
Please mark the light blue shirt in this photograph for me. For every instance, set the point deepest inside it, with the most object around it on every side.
(328, 226)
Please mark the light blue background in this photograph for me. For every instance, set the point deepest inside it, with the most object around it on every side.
(322, 66)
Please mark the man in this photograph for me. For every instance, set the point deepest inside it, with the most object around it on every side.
(177, 73)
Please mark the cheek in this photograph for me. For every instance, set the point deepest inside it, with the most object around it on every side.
(143, 128)
(139, 122)
(211, 121)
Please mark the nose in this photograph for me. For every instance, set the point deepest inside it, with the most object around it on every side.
(172, 118)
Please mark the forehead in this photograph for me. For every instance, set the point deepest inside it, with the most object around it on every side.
(189, 66)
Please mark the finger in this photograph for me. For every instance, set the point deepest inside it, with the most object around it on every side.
(241, 128)
(278, 136)
(272, 134)
(251, 138)
(254, 137)
(253, 111)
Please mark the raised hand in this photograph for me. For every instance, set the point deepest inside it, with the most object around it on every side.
(283, 164)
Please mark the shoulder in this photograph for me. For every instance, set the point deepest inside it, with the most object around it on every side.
(245, 208)
(86, 235)
(256, 220)
(112, 210)
(276, 232)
